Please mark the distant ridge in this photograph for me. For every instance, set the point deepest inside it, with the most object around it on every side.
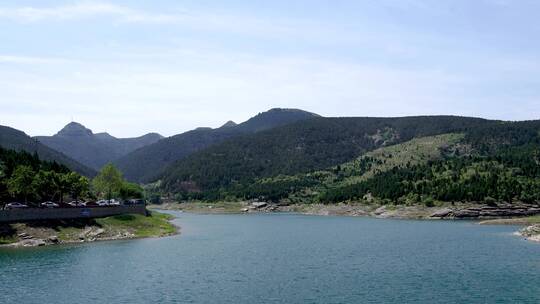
(148, 162)
(94, 150)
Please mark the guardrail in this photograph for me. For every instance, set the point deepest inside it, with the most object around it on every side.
(38, 214)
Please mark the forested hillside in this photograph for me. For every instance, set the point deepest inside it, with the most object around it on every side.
(305, 146)
(17, 140)
(148, 163)
(481, 161)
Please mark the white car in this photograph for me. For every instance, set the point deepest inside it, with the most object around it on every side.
(114, 202)
(77, 204)
(102, 203)
(15, 206)
(49, 205)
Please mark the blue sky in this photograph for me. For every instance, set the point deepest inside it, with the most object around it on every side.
(131, 67)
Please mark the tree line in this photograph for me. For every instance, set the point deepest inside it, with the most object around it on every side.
(26, 178)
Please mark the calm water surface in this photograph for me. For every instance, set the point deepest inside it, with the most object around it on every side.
(284, 258)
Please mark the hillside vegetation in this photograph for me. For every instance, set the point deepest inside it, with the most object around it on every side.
(316, 186)
(493, 164)
(25, 177)
(239, 163)
(148, 163)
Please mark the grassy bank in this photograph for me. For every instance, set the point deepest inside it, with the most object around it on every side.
(88, 230)
(157, 224)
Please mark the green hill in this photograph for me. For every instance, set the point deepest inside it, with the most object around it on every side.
(316, 186)
(148, 163)
(13, 139)
(480, 161)
(221, 170)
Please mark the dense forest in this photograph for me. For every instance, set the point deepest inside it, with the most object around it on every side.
(483, 161)
(149, 162)
(24, 177)
(299, 148)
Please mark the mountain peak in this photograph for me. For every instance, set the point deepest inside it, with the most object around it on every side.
(74, 129)
(274, 118)
(229, 124)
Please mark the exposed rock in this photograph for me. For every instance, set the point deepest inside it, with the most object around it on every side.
(532, 233)
(244, 209)
(531, 230)
(272, 208)
(380, 210)
(444, 212)
(259, 204)
(53, 239)
(500, 211)
(465, 213)
(85, 232)
(96, 232)
(32, 243)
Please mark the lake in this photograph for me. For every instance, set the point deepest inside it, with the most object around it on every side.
(284, 258)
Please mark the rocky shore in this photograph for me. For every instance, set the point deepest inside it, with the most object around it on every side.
(121, 227)
(445, 211)
(531, 233)
(483, 211)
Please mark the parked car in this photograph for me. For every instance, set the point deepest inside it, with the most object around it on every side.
(134, 202)
(90, 204)
(16, 205)
(102, 203)
(77, 204)
(49, 205)
(114, 202)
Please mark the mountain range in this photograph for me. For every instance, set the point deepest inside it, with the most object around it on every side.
(94, 150)
(141, 159)
(290, 155)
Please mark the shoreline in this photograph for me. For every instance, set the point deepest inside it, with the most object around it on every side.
(69, 232)
(464, 211)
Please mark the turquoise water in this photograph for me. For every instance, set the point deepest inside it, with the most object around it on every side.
(284, 258)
